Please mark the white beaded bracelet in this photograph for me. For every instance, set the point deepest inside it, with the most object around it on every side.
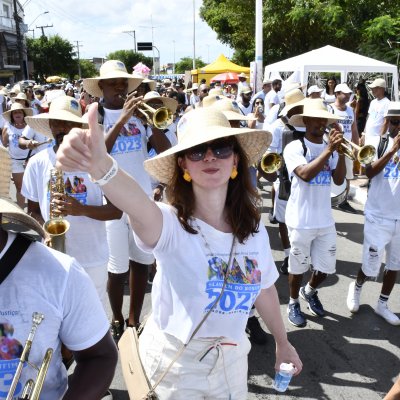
(111, 173)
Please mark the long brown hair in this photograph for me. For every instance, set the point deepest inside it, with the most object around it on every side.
(242, 199)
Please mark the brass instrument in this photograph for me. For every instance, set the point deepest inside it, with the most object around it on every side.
(270, 162)
(32, 389)
(56, 227)
(396, 160)
(365, 154)
(160, 118)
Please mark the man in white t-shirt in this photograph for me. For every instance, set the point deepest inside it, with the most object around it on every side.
(241, 85)
(382, 218)
(53, 284)
(266, 88)
(376, 124)
(350, 132)
(272, 96)
(82, 204)
(244, 103)
(312, 163)
(194, 97)
(126, 140)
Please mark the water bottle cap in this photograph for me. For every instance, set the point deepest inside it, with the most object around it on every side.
(289, 368)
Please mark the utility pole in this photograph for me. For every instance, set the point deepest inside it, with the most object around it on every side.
(18, 20)
(134, 38)
(33, 32)
(42, 28)
(79, 62)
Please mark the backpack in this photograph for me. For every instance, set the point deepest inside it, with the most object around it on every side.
(285, 181)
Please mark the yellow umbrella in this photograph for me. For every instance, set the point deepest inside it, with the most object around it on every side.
(54, 79)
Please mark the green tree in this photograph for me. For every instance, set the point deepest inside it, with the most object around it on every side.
(291, 27)
(130, 58)
(51, 56)
(88, 70)
(186, 64)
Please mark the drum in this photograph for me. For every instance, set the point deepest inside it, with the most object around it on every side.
(338, 193)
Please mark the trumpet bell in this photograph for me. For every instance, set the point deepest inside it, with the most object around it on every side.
(271, 162)
(366, 154)
(160, 118)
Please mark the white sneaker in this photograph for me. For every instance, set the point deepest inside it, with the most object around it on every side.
(383, 310)
(353, 298)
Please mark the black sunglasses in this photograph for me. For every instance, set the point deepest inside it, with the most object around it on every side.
(221, 148)
(394, 121)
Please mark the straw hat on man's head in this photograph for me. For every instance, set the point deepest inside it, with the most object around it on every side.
(313, 108)
(64, 108)
(15, 107)
(292, 98)
(231, 110)
(9, 211)
(111, 69)
(204, 125)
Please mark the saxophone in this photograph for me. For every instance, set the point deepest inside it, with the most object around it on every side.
(56, 227)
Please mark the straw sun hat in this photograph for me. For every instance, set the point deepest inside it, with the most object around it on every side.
(14, 107)
(231, 110)
(9, 210)
(204, 125)
(313, 108)
(111, 69)
(64, 108)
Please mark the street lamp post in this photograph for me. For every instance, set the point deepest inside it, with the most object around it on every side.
(45, 12)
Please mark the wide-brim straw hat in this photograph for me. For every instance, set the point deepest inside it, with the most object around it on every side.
(64, 108)
(231, 110)
(15, 107)
(152, 84)
(168, 102)
(204, 125)
(313, 108)
(22, 96)
(111, 69)
(9, 210)
(292, 98)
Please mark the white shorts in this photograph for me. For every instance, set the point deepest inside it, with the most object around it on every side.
(349, 168)
(199, 372)
(279, 205)
(17, 166)
(122, 246)
(380, 234)
(316, 246)
(99, 277)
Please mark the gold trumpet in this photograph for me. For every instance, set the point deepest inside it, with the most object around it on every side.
(56, 227)
(32, 389)
(365, 154)
(270, 162)
(160, 118)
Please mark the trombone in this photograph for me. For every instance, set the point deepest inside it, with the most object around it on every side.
(270, 162)
(32, 389)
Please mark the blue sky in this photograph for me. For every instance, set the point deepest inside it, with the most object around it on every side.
(98, 25)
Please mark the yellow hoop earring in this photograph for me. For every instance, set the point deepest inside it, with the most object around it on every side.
(234, 173)
(186, 176)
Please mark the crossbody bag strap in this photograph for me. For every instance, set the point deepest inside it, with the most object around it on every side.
(182, 349)
(13, 255)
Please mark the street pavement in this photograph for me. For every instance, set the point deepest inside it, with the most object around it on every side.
(345, 356)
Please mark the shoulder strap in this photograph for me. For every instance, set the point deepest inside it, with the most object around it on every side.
(100, 110)
(383, 144)
(13, 255)
(301, 138)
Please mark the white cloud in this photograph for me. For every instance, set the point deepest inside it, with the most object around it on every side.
(99, 25)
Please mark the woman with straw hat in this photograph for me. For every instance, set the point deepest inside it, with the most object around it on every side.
(208, 237)
(12, 131)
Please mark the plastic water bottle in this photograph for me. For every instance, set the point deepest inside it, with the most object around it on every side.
(283, 377)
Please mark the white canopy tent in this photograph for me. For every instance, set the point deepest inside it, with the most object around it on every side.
(332, 59)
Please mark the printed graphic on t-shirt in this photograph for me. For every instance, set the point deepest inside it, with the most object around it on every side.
(241, 289)
(74, 187)
(10, 352)
(14, 139)
(323, 178)
(391, 170)
(129, 139)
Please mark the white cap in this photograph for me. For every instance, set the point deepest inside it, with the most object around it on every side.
(379, 82)
(314, 89)
(342, 87)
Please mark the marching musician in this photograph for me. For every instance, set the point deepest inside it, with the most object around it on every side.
(312, 164)
(52, 284)
(382, 218)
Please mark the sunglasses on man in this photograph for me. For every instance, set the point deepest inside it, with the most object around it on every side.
(221, 148)
(394, 121)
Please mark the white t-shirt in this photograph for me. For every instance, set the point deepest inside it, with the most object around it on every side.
(276, 129)
(271, 98)
(29, 133)
(194, 100)
(329, 98)
(347, 121)
(86, 239)
(13, 135)
(52, 284)
(376, 112)
(309, 204)
(130, 148)
(384, 192)
(189, 278)
(245, 110)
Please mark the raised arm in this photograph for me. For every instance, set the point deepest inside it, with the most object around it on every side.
(85, 150)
